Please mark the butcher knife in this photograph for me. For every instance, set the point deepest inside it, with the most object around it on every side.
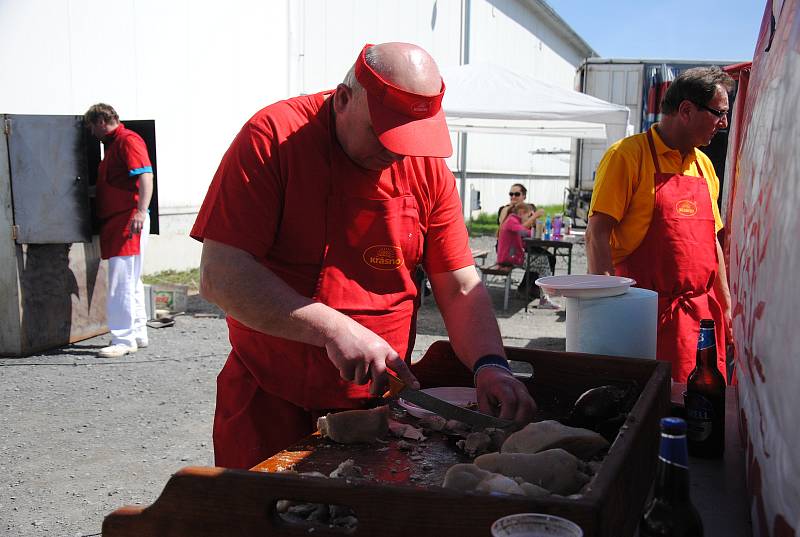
(476, 420)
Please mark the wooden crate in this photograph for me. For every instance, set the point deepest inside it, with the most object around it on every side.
(213, 501)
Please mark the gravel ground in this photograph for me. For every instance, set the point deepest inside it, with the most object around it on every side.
(81, 436)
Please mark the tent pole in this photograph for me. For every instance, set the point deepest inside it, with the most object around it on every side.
(466, 14)
(462, 168)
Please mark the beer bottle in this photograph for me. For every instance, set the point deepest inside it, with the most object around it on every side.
(670, 513)
(705, 398)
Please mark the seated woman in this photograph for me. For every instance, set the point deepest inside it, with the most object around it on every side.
(511, 251)
(518, 194)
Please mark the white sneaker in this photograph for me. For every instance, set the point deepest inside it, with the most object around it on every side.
(115, 351)
(142, 342)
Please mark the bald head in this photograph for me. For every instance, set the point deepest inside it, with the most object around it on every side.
(407, 66)
(402, 109)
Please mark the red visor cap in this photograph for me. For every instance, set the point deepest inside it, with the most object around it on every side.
(406, 123)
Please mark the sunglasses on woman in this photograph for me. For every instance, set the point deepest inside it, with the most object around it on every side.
(514, 194)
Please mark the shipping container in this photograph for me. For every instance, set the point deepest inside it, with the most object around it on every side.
(638, 84)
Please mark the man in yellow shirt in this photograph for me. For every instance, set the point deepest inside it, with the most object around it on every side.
(654, 216)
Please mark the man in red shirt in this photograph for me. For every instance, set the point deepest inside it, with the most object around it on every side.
(320, 307)
(124, 188)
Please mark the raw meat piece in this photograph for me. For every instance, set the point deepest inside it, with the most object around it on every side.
(554, 469)
(544, 435)
(354, 426)
(470, 478)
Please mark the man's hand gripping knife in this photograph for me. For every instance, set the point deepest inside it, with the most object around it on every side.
(360, 355)
(500, 393)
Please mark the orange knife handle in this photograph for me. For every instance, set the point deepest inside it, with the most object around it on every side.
(395, 386)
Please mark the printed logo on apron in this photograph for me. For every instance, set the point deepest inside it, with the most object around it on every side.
(686, 207)
(383, 257)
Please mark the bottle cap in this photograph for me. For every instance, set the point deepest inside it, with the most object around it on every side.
(675, 426)
(707, 323)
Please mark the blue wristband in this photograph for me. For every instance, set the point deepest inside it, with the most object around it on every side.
(490, 360)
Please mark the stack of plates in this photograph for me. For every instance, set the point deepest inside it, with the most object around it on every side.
(585, 285)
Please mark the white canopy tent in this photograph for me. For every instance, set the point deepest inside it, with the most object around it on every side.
(483, 97)
(488, 98)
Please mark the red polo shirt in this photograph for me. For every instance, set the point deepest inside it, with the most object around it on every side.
(269, 194)
(124, 161)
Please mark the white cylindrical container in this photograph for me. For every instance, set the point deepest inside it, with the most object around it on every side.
(622, 325)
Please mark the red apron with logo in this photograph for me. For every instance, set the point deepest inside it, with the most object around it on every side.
(270, 387)
(678, 260)
(117, 195)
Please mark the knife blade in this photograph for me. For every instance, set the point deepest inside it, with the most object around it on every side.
(397, 388)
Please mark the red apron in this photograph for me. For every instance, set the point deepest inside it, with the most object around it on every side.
(270, 387)
(678, 260)
(117, 198)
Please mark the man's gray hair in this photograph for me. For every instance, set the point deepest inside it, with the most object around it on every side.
(375, 61)
(698, 85)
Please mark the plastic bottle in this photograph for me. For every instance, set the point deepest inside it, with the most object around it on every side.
(539, 228)
(557, 227)
(548, 227)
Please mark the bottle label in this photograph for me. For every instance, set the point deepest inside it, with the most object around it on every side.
(699, 417)
(706, 339)
(673, 450)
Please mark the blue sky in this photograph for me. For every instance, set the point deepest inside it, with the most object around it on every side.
(666, 29)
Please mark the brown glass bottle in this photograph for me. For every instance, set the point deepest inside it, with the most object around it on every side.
(705, 398)
(671, 513)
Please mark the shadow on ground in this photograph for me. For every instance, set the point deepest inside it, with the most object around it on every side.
(548, 344)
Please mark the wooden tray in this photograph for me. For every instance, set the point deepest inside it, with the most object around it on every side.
(214, 501)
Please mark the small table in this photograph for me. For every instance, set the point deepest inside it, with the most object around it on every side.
(557, 245)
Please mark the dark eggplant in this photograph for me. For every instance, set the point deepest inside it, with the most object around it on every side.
(602, 408)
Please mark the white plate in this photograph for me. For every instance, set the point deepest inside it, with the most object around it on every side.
(456, 395)
(584, 286)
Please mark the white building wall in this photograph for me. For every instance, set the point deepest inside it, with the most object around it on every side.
(330, 34)
(509, 33)
(199, 69)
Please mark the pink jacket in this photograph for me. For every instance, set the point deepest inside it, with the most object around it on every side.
(510, 250)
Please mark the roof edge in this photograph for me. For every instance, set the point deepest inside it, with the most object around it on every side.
(561, 26)
(596, 59)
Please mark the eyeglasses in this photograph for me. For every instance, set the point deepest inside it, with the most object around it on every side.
(514, 194)
(719, 113)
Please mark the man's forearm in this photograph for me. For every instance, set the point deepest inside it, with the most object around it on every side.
(256, 297)
(145, 191)
(721, 290)
(468, 315)
(598, 253)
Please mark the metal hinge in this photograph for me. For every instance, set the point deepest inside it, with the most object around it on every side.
(14, 232)
(7, 127)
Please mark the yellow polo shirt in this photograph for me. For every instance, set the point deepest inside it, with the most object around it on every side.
(624, 187)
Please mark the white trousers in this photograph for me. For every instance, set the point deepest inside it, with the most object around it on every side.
(125, 307)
